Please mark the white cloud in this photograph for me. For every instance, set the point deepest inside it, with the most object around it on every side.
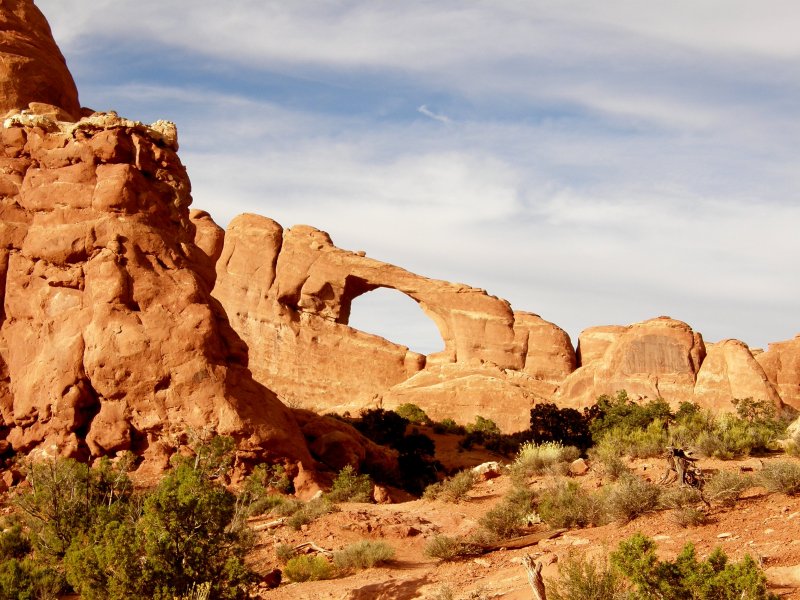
(609, 162)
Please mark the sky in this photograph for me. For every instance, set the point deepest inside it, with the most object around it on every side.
(592, 162)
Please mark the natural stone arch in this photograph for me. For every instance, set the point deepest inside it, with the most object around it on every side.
(408, 309)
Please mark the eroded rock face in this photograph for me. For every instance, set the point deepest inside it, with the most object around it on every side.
(32, 68)
(109, 338)
(781, 363)
(730, 371)
(288, 294)
(664, 358)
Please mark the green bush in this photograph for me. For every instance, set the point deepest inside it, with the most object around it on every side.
(484, 426)
(637, 443)
(686, 578)
(780, 476)
(349, 486)
(567, 504)
(449, 426)
(308, 568)
(582, 578)
(28, 579)
(727, 486)
(363, 555)
(631, 497)
(453, 489)
(413, 414)
(284, 553)
(567, 426)
(683, 502)
(619, 412)
(510, 517)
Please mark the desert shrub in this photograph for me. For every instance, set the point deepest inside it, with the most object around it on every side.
(363, 555)
(686, 578)
(791, 445)
(383, 427)
(637, 443)
(755, 428)
(449, 426)
(308, 568)
(510, 517)
(413, 414)
(14, 542)
(484, 426)
(630, 497)
(265, 478)
(453, 489)
(683, 502)
(688, 516)
(448, 548)
(549, 423)
(536, 459)
(349, 486)
(30, 578)
(583, 578)
(182, 535)
(310, 512)
(727, 486)
(284, 553)
(266, 504)
(780, 476)
(286, 507)
(608, 455)
(567, 504)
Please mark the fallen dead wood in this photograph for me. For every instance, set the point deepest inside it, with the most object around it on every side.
(311, 546)
(522, 541)
(270, 525)
(534, 570)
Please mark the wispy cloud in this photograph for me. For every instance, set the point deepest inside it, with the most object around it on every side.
(432, 115)
(609, 161)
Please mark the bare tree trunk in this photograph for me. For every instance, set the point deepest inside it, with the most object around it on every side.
(534, 570)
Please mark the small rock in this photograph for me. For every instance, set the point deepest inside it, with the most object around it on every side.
(272, 579)
(768, 531)
(482, 562)
(487, 470)
(578, 467)
(724, 535)
(661, 537)
(381, 495)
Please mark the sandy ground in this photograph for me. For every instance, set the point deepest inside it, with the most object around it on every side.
(766, 526)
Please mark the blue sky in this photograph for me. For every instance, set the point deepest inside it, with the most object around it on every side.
(593, 162)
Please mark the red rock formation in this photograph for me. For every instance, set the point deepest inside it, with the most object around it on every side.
(32, 68)
(664, 358)
(781, 363)
(655, 358)
(109, 337)
(728, 372)
(288, 295)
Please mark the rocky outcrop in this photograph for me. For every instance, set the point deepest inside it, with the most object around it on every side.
(728, 372)
(32, 68)
(664, 358)
(781, 363)
(288, 294)
(652, 359)
(109, 338)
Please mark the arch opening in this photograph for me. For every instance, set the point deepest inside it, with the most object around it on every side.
(396, 317)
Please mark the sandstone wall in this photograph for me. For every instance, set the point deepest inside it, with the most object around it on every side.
(781, 363)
